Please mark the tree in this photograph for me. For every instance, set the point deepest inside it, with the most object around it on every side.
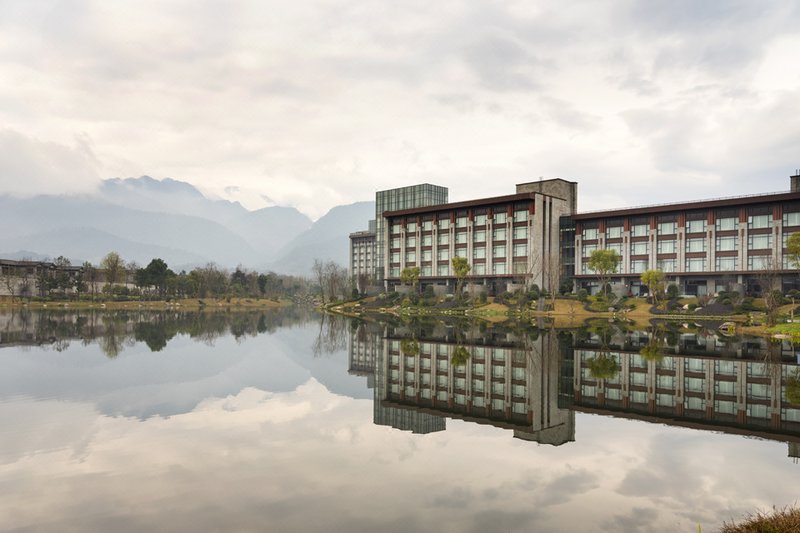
(461, 268)
(114, 267)
(604, 263)
(793, 247)
(460, 356)
(156, 275)
(318, 269)
(654, 279)
(410, 276)
(90, 278)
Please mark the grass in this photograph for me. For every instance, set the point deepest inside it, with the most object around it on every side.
(776, 521)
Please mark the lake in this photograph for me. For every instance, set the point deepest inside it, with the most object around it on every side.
(290, 420)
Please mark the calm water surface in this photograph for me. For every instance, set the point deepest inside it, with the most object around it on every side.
(290, 421)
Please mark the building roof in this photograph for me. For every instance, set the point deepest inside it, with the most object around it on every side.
(362, 234)
(730, 201)
(461, 205)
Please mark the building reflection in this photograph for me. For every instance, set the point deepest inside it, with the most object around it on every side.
(508, 380)
(699, 380)
(533, 382)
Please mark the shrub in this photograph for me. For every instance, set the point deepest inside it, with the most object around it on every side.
(428, 292)
(672, 292)
(482, 297)
(583, 295)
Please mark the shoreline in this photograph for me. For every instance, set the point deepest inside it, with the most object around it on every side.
(191, 304)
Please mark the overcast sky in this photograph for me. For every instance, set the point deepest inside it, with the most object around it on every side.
(319, 103)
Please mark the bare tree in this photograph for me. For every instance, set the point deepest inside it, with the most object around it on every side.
(769, 279)
(318, 269)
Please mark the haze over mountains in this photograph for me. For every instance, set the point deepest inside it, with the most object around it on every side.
(142, 218)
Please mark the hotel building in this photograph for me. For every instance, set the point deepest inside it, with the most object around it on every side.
(506, 239)
(703, 247)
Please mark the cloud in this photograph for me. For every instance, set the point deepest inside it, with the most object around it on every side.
(30, 166)
(324, 102)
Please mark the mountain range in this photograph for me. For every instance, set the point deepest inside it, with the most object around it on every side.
(143, 218)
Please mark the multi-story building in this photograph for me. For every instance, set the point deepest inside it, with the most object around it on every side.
(703, 246)
(367, 247)
(362, 257)
(30, 278)
(409, 197)
(506, 239)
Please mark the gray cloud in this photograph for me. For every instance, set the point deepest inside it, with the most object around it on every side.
(316, 104)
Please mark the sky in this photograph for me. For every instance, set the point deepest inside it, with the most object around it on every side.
(320, 103)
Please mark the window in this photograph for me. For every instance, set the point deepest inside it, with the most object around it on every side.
(696, 265)
(726, 387)
(442, 270)
(427, 255)
(396, 242)
(499, 268)
(499, 251)
(444, 238)
(479, 236)
(759, 262)
(589, 234)
(443, 255)
(617, 247)
(726, 244)
(427, 225)
(667, 228)
(520, 250)
(460, 252)
(666, 247)
(499, 234)
(791, 219)
(639, 230)
(760, 242)
(480, 220)
(638, 266)
(695, 245)
(411, 227)
(411, 257)
(444, 223)
(394, 272)
(411, 242)
(588, 249)
(759, 221)
(666, 265)
(520, 216)
(427, 240)
(479, 253)
(695, 226)
(461, 237)
(727, 224)
(395, 257)
(395, 229)
(426, 271)
(521, 232)
(479, 269)
(614, 232)
(500, 218)
(461, 222)
(639, 248)
(727, 264)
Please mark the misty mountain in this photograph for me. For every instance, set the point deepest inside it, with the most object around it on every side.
(326, 239)
(266, 229)
(143, 218)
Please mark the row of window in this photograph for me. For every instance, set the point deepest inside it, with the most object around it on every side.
(699, 264)
(478, 269)
(461, 222)
(498, 234)
(694, 226)
(723, 244)
(518, 250)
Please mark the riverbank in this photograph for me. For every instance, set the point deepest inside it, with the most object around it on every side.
(565, 312)
(191, 304)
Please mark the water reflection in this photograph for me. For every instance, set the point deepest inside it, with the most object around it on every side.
(533, 381)
(114, 330)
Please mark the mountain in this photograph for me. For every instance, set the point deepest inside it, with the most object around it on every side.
(142, 218)
(34, 223)
(326, 239)
(266, 230)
